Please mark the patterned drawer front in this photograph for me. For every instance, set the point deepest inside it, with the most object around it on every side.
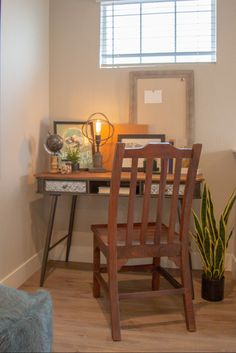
(169, 189)
(66, 186)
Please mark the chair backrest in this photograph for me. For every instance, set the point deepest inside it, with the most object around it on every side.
(163, 153)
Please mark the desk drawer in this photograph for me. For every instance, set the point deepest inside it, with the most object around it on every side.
(66, 186)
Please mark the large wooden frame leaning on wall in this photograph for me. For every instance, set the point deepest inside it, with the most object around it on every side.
(165, 101)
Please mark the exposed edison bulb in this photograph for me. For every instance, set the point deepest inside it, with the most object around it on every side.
(98, 127)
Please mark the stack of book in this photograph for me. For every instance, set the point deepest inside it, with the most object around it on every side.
(106, 190)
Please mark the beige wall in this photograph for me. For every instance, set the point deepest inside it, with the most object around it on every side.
(78, 88)
(24, 121)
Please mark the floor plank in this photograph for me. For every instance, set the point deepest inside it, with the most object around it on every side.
(81, 323)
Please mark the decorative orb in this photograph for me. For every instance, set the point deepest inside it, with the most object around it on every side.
(92, 122)
(54, 143)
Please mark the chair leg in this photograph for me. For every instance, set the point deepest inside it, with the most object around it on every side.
(191, 273)
(114, 302)
(180, 201)
(96, 269)
(156, 274)
(187, 296)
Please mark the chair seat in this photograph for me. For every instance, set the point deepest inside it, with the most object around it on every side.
(101, 231)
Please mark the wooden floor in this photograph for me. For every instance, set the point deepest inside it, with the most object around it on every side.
(81, 323)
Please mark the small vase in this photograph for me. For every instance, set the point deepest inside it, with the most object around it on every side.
(75, 167)
(212, 289)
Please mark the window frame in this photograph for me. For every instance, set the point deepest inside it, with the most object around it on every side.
(175, 54)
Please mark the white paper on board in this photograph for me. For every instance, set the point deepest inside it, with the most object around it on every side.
(153, 97)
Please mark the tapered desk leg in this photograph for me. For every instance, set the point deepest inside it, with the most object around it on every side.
(189, 254)
(48, 237)
(71, 225)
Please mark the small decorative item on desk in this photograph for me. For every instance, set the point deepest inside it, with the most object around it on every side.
(73, 156)
(53, 145)
(212, 240)
(98, 120)
(66, 168)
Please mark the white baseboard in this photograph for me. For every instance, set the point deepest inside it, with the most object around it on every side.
(80, 253)
(17, 277)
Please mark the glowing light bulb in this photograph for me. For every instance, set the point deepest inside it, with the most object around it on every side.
(98, 127)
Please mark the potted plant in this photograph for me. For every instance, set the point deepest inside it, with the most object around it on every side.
(73, 156)
(212, 240)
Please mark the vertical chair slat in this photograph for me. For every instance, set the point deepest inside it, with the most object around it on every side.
(131, 204)
(146, 200)
(114, 195)
(160, 200)
(188, 192)
(174, 199)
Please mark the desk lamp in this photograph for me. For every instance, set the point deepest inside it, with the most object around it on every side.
(96, 122)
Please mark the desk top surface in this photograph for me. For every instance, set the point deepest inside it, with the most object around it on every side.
(86, 175)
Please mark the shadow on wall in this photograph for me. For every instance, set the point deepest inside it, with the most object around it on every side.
(41, 160)
(37, 162)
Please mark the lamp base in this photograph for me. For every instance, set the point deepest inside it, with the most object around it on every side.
(97, 163)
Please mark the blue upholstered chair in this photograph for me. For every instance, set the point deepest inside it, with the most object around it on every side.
(25, 321)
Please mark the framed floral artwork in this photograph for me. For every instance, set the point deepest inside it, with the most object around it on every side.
(73, 137)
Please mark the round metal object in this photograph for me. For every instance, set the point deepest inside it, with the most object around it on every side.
(53, 144)
(91, 122)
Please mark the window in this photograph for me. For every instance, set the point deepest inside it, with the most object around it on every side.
(140, 32)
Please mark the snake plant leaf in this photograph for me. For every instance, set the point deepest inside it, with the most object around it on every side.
(222, 231)
(207, 243)
(229, 206)
(212, 229)
(201, 248)
(221, 267)
(212, 240)
(208, 273)
(221, 272)
(198, 226)
(211, 217)
(219, 250)
(216, 273)
(204, 208)
(229, 236)
(206, 265)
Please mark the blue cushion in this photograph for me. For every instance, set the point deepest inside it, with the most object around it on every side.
(25, 321)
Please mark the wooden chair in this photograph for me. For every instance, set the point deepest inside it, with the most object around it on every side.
(120, 242)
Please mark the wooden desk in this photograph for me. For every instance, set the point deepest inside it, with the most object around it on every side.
(87, 183)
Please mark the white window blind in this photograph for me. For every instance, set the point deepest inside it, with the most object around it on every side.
(142, 32)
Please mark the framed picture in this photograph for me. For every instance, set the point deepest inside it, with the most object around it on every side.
(139, 140)
(71, 132)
